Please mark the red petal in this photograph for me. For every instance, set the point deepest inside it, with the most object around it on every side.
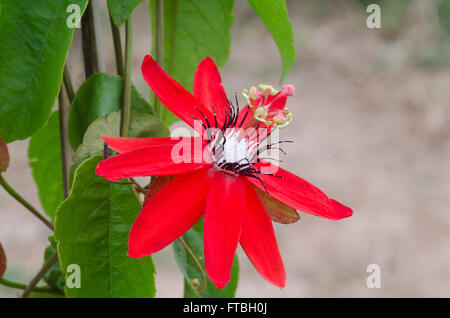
(299, 193)
(209, 90)
(123, 144)
(176, 98)
(222, 226)
(158, 160)
(259, 242)
(280, 103)
(169, 213)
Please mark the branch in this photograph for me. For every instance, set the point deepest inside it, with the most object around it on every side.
(159, 49)
(88, 42)
(117, 47)
(47, 290)
(24, 202)
(68, 84)
(63, 142)
(126, 105)
(98, 36)
(47, 265)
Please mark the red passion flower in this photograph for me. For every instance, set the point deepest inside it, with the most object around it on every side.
(227, 181)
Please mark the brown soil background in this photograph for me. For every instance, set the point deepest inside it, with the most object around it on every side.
(371, 129)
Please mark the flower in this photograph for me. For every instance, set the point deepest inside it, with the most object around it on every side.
(227, 181)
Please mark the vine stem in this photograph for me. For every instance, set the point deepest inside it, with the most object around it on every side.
(24, 202)
(16, 285)
(47, 265)
(63, 142)
(126, 105)
(68, 84)
(98, 35)
(159, 47)
(89, 42)
(117, 47)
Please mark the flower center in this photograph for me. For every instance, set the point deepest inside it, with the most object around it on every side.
(236, 151)
(231, 152)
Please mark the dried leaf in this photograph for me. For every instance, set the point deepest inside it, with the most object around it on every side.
(277, 210)
(4, 155)
(2, 261)
(159, 183)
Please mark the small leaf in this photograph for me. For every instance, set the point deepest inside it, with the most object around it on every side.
(44, 153)
(99, 95)
(120, 10)
(275, 16)
(2, 261)
(193, 30)
(92, 228)
(277, 210)
(193, 275)
(34, 43)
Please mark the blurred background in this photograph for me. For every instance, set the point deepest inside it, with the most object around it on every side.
(371, 129)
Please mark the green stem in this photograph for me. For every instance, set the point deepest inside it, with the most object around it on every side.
(68, 84)
(47, 265)
(98, 35)
(117, 47)
(16, 285)
(88, 42)
(159, 47)
(64, 144)
(126, 105)
(24, 202)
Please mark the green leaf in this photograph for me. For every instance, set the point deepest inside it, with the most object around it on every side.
(45, 295)
(44, 153)
(275, 16)
(193, 30)
(100, 95)
(54, 276)
(92, 228)
(193, 275)
(139, 103)
(443, 7)
(34, 43)
(120, 10)
(142, 126)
